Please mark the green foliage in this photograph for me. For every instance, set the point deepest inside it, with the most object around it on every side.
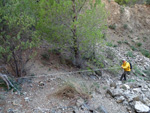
(148, 2)
(119, 42)
(145, 53)
(113, 26)
(109, 44)
(137, 71)
(114, 70)
(105, 87)
(139, 44)
(115, 46)
(76, 24)
(126, 42)
(125, 26)
(133, 48)
(131, 80)
(45, 56)
(126, 2)
(147, 72)
(130, 54)
(17, 37)
(99, 63)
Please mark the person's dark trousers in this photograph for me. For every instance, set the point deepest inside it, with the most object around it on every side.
(124, 75)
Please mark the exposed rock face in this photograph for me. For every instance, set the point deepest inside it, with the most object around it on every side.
(131, 22)
(135, 95)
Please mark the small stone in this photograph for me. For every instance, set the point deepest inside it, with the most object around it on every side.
(80, 102)
(137, 90)
(41, 83)
(143, 74)
(131, 97)
(110, 92)
(24, 93)
(26, 99)
(144, 90)
(125, 103)
(120, 99)
(113, 84)
(16, 102)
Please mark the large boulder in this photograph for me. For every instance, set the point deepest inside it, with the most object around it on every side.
(141, 108)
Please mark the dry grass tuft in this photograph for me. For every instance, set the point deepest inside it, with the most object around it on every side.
(71, 92)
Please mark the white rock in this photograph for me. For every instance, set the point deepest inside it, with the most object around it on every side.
(144, 90)
(137, 90)
(120, 99)
(26, 99)
(125, 86)
(140, 107)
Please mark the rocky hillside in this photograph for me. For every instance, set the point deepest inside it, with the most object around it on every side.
(129, 24)
(52, 86)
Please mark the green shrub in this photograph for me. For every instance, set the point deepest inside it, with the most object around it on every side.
(126, 42)
(139, 44)
(115, 46)
(130, 54)
(45, 56)
(137, 71)
(122, 2)
(119, 42)
(133, 48)
(126, 2)
(104, 36)
(131, 80)
(125, 26)
(148, 2)
(113, 26)
(114, 70)
(109, 44)
(145, 53)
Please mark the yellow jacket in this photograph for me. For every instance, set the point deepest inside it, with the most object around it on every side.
(126, 66)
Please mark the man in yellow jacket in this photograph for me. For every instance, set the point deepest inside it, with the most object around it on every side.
(126, 67)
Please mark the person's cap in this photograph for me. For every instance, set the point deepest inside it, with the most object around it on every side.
(123, 60)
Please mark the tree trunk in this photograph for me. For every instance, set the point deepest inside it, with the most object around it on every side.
(16, 64)
(75, 39)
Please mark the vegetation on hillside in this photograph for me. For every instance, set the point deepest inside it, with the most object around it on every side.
(72, 25)
(132, 2)
(18, 35)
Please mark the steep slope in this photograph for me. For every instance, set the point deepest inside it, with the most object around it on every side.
(131, 24)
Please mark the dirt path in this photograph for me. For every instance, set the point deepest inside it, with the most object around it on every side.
(38, 93)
